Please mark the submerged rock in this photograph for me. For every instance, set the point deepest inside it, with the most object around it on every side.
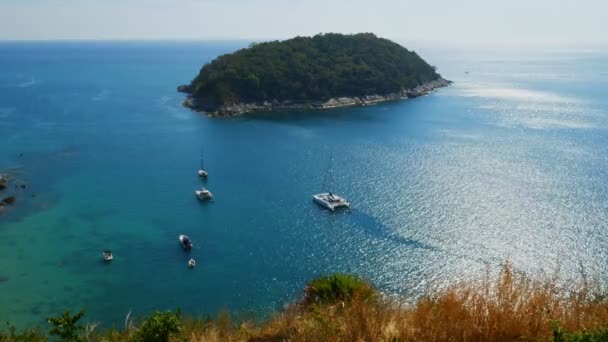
(9, 200)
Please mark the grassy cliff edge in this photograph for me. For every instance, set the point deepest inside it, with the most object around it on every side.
(342, 307)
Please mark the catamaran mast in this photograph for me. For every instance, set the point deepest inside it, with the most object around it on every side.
(327, 179)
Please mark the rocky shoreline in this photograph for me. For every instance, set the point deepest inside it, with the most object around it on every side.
(244, 108)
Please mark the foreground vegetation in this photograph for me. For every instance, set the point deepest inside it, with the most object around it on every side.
(310, 68)
(345, 308)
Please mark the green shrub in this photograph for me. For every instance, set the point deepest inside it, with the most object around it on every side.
(159, 327)
(66, 327)
(561, 335)
(338, 288)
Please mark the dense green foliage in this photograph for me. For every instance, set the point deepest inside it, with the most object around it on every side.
(338, 288)
(66, 327)
(310, 68)
(159, 327)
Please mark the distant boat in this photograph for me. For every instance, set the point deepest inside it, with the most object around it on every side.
(107, 256)
(185, 241)
(329, 200)
(203, 194)
(201, 171)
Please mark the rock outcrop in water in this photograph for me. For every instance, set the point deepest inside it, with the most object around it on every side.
(10, 188)
(9, 200)
(324, 71)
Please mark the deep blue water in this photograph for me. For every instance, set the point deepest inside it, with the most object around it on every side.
(509, 163)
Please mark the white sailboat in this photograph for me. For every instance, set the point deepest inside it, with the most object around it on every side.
(203, 194)
(201, 171)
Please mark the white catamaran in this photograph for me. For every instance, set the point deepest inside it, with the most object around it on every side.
(329, 200)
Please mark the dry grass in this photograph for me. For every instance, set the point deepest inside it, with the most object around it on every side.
(508, 308)
(511, 307)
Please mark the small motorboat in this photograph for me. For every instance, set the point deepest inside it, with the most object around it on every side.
(185, 241)
(107, 255)
(203, 194)
(191, 263)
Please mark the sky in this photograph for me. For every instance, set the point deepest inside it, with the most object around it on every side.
(496, 22)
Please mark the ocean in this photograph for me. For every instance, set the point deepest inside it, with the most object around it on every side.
(509, 163)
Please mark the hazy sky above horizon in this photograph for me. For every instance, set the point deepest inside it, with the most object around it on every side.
(433, 21)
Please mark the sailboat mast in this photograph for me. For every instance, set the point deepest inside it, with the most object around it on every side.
(327, 180)
(202, 160)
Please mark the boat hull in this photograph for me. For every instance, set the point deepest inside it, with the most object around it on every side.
(330, 201)
(183, 239)
(203, 194)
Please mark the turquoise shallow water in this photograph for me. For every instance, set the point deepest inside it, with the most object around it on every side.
(508, 163)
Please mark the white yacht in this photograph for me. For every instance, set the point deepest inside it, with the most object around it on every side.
(203, 194)
(107, 255)
(330, 201)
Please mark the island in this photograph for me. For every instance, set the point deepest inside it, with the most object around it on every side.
(325, 71)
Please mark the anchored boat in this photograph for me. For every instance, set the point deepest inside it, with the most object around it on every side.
(203, 194)
(107, 256)
(328, 200)
(185, 241)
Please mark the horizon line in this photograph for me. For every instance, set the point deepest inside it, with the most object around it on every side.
(508, 44)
